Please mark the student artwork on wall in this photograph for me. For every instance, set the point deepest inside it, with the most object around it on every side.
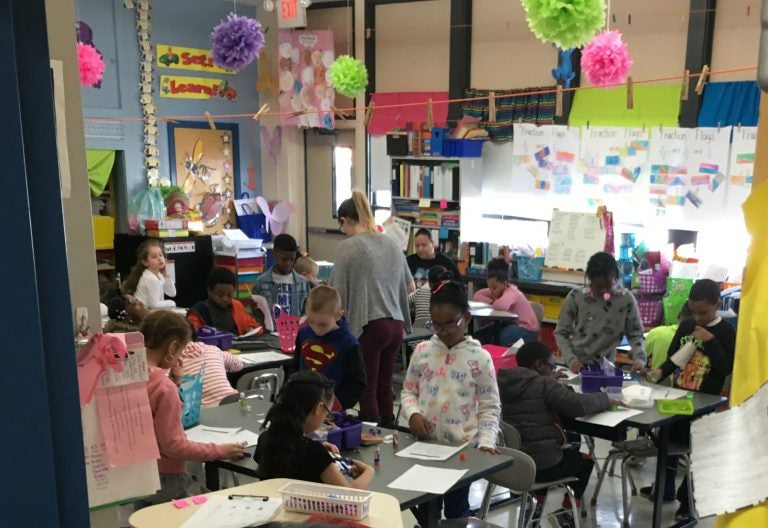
(708, 150)
(205, 163)
(546, 156)
(667, 166)
(742, 165)
(303, 62)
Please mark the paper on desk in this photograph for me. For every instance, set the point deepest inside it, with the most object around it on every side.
(250, 333)
(436, 452)
(511, 351)
(245, 435)
(259, 358)
(477, 304)
(221, 512)
(428, 479)
(221, 435)
(728, 457)
(610, 418)
(125, 419)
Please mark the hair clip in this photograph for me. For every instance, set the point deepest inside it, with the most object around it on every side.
(439, 287)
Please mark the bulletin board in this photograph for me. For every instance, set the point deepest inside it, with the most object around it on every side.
(573, 238)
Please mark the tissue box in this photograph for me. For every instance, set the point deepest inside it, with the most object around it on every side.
(593, 378)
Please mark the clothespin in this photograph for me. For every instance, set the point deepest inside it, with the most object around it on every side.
(264, 108)
(702, 80)
(297, 114)
(341, 113)
(368, 114)
(430, 117)
(738, 129)
(718, 126)
(208, 118)
(367, 33)
(559, 101)
(492, 107)
(630, 94)
(686, 83)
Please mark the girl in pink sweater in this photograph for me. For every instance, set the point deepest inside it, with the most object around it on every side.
(166, 334)
(503, 296)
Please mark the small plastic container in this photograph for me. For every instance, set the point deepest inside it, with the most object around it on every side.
(593, 379)
(681, 406)
(211, 336)
(529, 268)
(347, 434)
(305, 497)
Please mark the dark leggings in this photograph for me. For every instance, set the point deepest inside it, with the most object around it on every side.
(380, 344)
(573, 464)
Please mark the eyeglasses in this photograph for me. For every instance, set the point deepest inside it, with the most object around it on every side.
(327, 410)
(444, 327)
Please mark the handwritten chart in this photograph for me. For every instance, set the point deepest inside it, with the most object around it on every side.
(573, 238)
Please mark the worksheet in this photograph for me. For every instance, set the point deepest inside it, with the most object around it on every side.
(237, 512)
(428, 479)
(424, 451)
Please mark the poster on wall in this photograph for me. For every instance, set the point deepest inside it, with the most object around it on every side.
(189, 59)
(546, 156)
(306, 98)
(202, 88)
(668, 166)
(742, 164)
(205, 164)
(708, 150)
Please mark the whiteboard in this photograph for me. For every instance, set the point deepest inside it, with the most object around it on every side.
(573, 238)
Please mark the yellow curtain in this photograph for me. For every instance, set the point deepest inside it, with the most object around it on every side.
(654, 105)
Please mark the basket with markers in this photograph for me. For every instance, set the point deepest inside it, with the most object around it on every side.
(306, 497)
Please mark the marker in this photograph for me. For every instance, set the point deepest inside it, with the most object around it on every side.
(263, 498)
(395, 439)
(376, 456)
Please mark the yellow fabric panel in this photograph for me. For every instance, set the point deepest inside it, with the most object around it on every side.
(654, 105)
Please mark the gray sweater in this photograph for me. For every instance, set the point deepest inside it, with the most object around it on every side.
(371, 275)
(532, 402)
(590, 329)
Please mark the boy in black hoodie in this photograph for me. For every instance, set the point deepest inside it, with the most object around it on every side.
(701, 357)
(326, 345)
(532, 400)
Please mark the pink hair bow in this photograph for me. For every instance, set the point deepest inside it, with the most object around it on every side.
(102, 351)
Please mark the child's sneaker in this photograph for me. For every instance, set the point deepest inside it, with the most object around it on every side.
(561, 519)
(648, 493)
(682, 514)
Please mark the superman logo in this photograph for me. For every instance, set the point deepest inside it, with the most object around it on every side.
(317, 355)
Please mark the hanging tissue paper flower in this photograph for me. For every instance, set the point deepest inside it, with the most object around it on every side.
(90, 64)
(236, 42)
(566, 23)
(348, 76)
(605, 61)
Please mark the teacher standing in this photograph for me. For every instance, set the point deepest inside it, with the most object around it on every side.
(373, 279)
(426, 257)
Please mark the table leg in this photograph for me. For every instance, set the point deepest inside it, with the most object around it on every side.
(497, 326)
(212, 476)
(661, 474)
(434, 509)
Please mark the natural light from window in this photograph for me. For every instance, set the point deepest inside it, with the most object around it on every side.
(342, 175)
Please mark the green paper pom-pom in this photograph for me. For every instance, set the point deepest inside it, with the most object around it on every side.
(348, 76)
(566, 23)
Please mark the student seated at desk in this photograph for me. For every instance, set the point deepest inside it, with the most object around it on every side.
(281, 285)
(450, 392)
(594, 318)
(700, 357)
(165, 336)
(125, 313)
(505, 297)
(284, 449)
(148, 279)
(326, 345)
(221, 310)
(214, 363)
(532, 400)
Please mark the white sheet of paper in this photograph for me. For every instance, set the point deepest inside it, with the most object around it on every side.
(221, 435)
(511, 351)
(245, 435)
(427, 479)
(424, 451)
(473, 305)
(221, 512)
(258, 358)
(252, 332)
(611, 418)
(731, 477)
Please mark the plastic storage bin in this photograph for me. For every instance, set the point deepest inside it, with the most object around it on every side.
(306, 497)
(500, 361)
(529, 268)
(211, 336)
(593, 378)
(463, 148)
(347, 434)
(681, 406)
(652, 282)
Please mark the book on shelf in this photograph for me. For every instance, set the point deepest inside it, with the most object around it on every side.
(420, 181)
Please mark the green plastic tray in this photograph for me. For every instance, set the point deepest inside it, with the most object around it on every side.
(683, 406)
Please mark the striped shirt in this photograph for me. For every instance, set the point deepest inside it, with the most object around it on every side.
(217, 364)
(418, 302)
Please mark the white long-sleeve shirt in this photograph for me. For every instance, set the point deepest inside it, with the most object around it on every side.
(455, 390)
(152, 289)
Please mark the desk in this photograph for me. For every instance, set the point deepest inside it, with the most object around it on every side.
(478, 463)
(485, 312)
(650, 419)
(383, 511)
(283, 362)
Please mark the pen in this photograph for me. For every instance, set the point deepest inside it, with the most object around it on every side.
(260, 497)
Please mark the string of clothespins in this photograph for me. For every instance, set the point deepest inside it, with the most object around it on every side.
(263, 111)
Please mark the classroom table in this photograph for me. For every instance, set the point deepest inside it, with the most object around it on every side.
(485, 312)
(283, 362)
(478, 463)
(650, 419)
(384, 510)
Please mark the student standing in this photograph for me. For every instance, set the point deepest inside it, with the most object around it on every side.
(594, 318)
(373, 279)
(419, 299)
(281, 285)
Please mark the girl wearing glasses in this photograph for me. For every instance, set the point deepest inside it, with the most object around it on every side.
(285, 451)
(450, 392)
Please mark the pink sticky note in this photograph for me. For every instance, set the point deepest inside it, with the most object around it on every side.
(199, 499)
(179, 503)
(443, 204)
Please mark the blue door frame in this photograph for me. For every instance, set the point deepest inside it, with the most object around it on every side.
(41, 451)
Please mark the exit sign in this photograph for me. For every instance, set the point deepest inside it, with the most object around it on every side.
(291, 14)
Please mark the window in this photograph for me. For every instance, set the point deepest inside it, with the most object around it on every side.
(342, 176)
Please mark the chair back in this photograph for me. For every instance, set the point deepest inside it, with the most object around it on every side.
(253, 394)
(511, 435)
(421, 322)
(259, 379)
(520, 477)
(538, 309)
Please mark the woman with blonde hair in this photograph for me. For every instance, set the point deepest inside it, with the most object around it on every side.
(374, 281)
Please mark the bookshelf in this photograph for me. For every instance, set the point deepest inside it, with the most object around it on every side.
(426, 191)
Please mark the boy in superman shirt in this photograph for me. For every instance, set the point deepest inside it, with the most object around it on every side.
(326, 345)
(701, 357)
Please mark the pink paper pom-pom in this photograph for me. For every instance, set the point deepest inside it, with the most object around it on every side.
(605, 60)
(90, 64)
